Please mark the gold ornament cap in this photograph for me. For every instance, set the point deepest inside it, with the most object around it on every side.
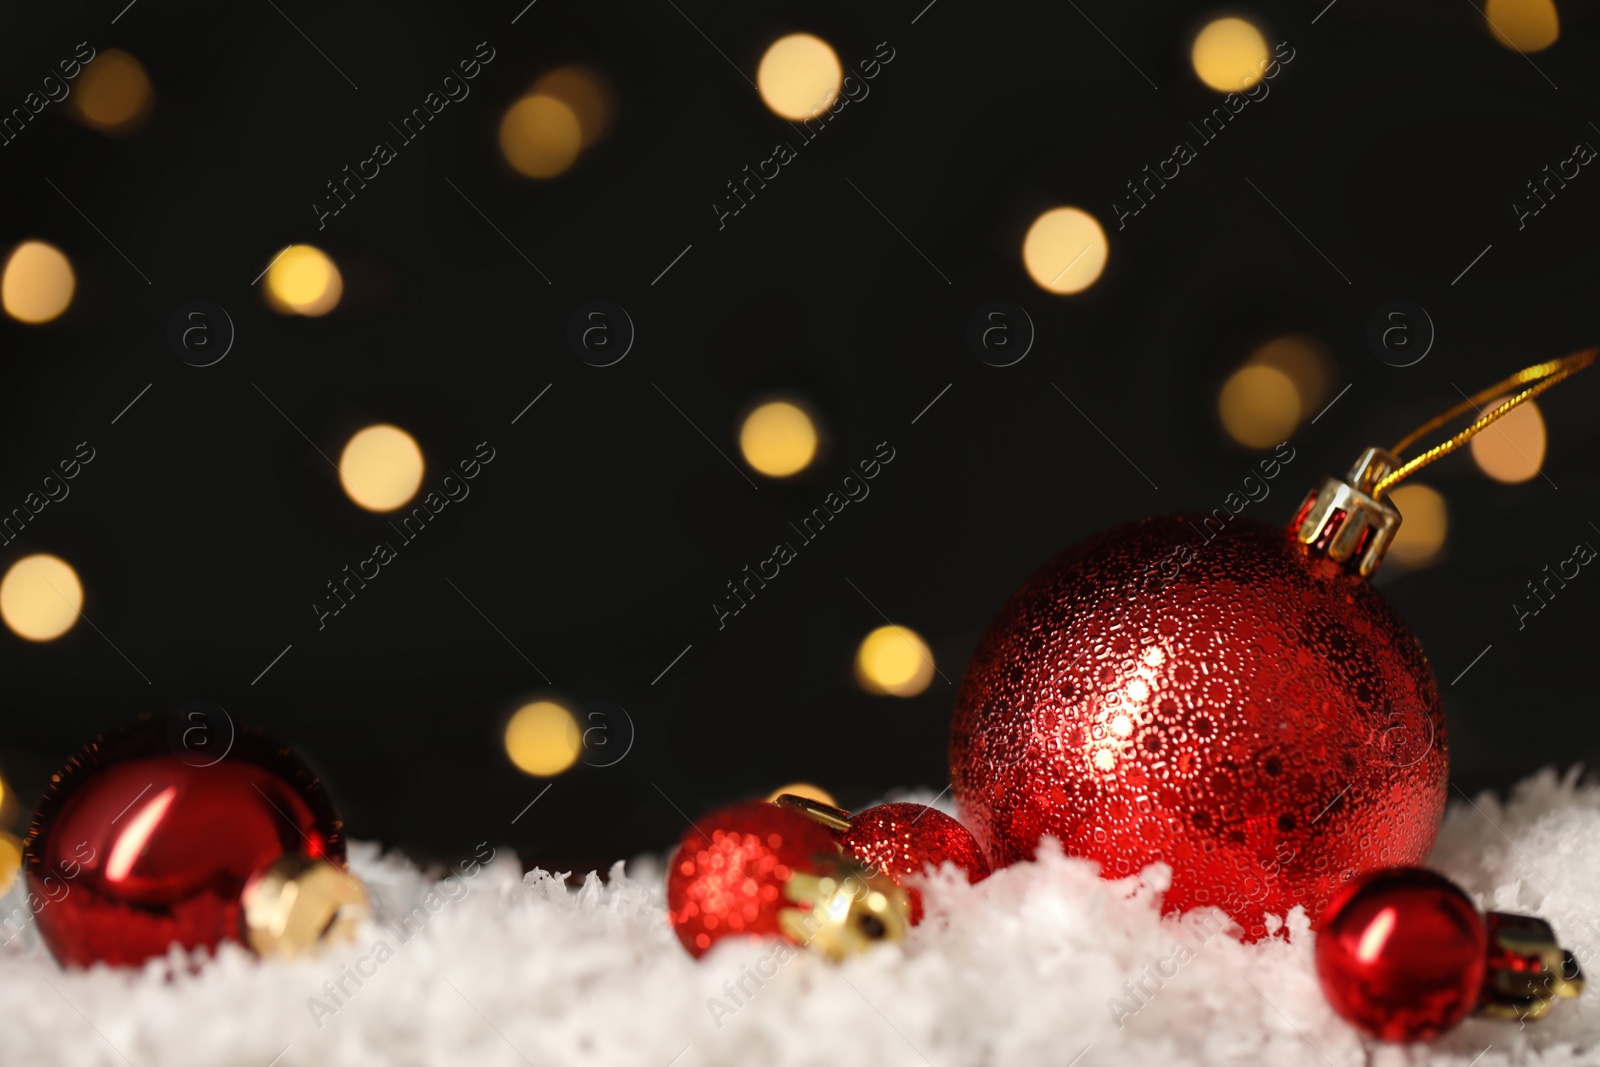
(299, 904)
(844, 910)
(1346, 520)
(1528, 970)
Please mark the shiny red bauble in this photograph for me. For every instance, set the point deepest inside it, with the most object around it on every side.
(146, 840)
(1401, 954)
(906, 839)
(1219, 698)
(728, 875)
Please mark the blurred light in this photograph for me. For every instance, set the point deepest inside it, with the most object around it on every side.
(114, 95)
(895, 661)
(807, 790)
(1511, 450)
(1229, 55)
(588, 95)
(540, 136)
(1065, 250)
(10, 861)
(38, 282)
(381, 467)
(542, 738)
(1259, 405)
(40, 597)
(1424, 522)
(1306, 362)
(304, 281)
(778, 439)
(1523, 25)
(799, 76)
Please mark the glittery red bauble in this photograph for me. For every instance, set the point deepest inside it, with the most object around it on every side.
(906, 839)
(146, 839)
(1239, 707)
(728, 874)
(1401, 954)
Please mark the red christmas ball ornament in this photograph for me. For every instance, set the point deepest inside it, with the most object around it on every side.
(186, 832)
(901, 840)
(1218, 695)
(1400, 954)
(758, 869)
(1403, 955)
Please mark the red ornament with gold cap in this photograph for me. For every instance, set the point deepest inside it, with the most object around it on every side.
(757, 869)
(1232, 699)
(147, 840)
(1403, 955)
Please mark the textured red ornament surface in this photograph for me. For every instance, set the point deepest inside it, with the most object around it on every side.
(1401, 954)
(136, 845)
(906, 839)
(1239, 708)
(732, 883)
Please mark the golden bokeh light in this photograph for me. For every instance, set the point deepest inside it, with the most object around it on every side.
(1425, 520)
(381, 467)
(10, 861)
(799, 76)
(540, 136)
(778, 439)
(1308, 364)
(1259, 405)
(1512, 449)
(38, 282)
(1065, 250)
(1523, 25)
(543, 739)
(807, 790)
(1229, 55)
(40, 597)
(587, 93)
(894, 661)
(114, 95)
(304, 281)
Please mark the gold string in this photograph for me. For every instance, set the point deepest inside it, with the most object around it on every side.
(1543, 375)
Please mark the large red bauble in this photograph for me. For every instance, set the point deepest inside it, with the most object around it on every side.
(902, 840)
(141, 842)
(1401, 954)
(1241, 708)
(728, 874)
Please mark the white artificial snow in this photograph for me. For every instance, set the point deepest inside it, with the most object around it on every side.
(1038, 965)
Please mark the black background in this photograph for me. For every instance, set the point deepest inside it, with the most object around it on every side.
(597, 540)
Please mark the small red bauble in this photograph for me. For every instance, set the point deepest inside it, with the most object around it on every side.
(1218, 696)
(143, 841)
(906, 839)
(901, 840)
(1401, 954)
(757, 869)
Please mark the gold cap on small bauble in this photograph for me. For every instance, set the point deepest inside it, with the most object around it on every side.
(299, 904)
(844, 910)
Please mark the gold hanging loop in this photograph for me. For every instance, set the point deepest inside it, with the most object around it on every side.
(1542, 375)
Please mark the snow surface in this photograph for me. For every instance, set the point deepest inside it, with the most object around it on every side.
(1042, 964)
